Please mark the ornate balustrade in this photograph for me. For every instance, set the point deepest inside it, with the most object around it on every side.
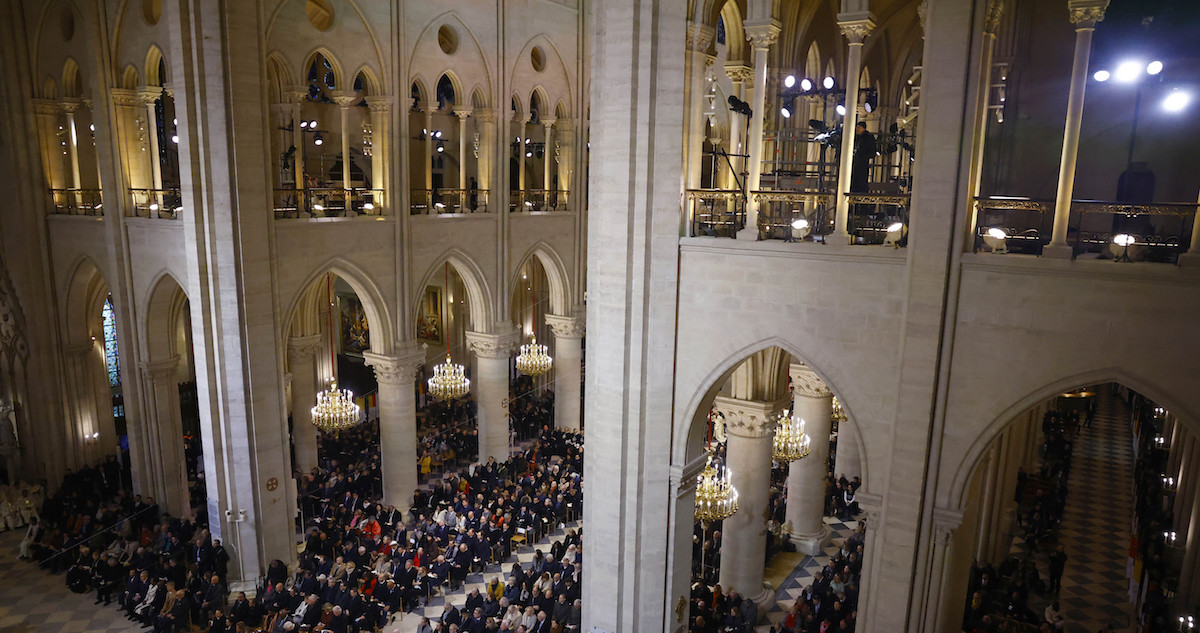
(716, 212)
(327, 202)
(537, 200)
(156, 203)
(1026, 221)
(878, 218)
(76, 202)
(793, 216)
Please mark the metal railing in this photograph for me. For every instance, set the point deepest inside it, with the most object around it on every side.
(156, 203)
(76, 202)
(537, 200)
(1027, 222)
(447, 201)
(878, 218)
(327, 202)
(793, 216)
(716, 212)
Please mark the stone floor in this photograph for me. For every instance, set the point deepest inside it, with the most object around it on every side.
(1095, 525)
(803, 574)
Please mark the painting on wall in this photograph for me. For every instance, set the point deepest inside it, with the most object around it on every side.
(356, 336)
(430, 327)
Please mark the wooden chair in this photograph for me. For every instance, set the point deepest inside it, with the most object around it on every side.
(520, 537)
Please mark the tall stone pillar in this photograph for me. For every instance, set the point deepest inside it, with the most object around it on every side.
(381, 109)
(69, 107)
(991, 24)
(548, 157)
(855, 26)
(1084, 14)
(397, 424)
(490, 384)
(812, 402)
(699, 39)
(486, 119)
(302, 352)
(149, 96)
(429, 110)
(739, 75)
(462, 114)
(296, 95)
(165, 430)
(762, 36)
(749, 429)
(523, 136)
(345, 102)
(568, 370)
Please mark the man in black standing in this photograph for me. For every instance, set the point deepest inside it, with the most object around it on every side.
(1058, 560)
(864, 152)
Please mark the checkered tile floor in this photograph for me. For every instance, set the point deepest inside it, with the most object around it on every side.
(1095, 525)
(804, 574)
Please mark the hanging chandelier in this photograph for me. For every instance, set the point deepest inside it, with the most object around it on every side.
(335, 410)
(449, 382)
(533, 359)
(791, 442)
(716, 498)
(838, 414)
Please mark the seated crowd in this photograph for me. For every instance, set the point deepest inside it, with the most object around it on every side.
(361, 563)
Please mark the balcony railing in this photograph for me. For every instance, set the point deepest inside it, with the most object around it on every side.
(716, 212)
(76, 202)
(878, 218)
(447, 201)
(537, 200)
(327, 202)
(156, 203)
(793, 216)
(1160, 231)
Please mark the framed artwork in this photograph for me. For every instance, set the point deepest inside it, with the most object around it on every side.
(430, 327)
(355, 334)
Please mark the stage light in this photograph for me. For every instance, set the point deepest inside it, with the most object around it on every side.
(1177, 101)
(829, 83)
(806, 84)
(1154, 67)
(789, 81)
(787, 114)
(1101, 75)
(1128, 71)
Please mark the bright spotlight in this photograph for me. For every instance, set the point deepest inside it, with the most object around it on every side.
(1123, 239)
(154, 206)
(806, 85)
(1128, 71)
(841, 109)
(1101, 75)
(1177, 101)
(318, 140)
(368, 206)
(787, 114)
(799, 223)
(439, 205)
(828, 83)
(318, 207)
(789, 81)
(997, 233)
(313, 124)
(1154, 67)
(895, 227)
(303, 124)
(175, 139)
(528, 154)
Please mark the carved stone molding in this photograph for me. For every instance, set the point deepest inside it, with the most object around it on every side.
(69, 105)
(738, 72)
(493, 345)
(395, 370)
(123, 97)
(995, 12)
(1085, 14)
(303, 347)
(700, 37)
(45, 106)
(379, 103)
(565, 326)
(945, 522)
(345, 99)
(746, 418)
(806, 383)
(149, 94)
(161, 371)
(762, 35)
(462, 113)
(296, 94)
(856, 27)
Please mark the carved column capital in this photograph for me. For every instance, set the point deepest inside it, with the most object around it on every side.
(493, 345)
(379, 103)
(124, 97)
(69, 105)
(700, 37)
(149, 94)
(995, 12)
(944, 524)
(738, 72)
(565, 326)
(856, 26)
(746, 418)
(762, 35)
(548, 122)
(296, 94)
(304, 347)
(1085, 14)
(806, 382)
(395, 370)
(462, 113)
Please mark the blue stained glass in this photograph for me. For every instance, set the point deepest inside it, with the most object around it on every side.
(110, 344)
(720, 30)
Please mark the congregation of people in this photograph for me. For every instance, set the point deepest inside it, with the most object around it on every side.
(362, 563)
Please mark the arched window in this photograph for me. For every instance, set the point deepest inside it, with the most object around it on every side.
(720, 30)
(110, 344)
(445, 93)
(321, 79)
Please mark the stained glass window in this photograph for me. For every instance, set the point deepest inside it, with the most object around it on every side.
(720, 30)
(110, 344)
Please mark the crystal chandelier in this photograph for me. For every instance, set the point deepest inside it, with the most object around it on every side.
(716, 498)
(791, 442)
(838, 414)
(449, 382)
(335, 410)
(533, 359)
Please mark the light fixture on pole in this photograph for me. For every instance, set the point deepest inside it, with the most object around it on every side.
(449, 381)
(1123, 240)
(335, 409)
(791, 442)
(533, 359)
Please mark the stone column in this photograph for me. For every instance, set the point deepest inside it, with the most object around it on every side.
(548, 157)
(855, 26)
(749, 429)
(345, 102)
(987, 504)
(739, 75)
(462, 114)
(302, 351)
(78, 405)
(296, 95)
(522, 136)
(488, 147)
(943, 600)
(812, 402)
(568, 369)
(429, 151)
(991, 24)
(1084, 14)
(699, 40)
(490, 384)
(69, 107)
(381, 108)
(149, 96)
(761, 35)
(165, 434)
(397, 423)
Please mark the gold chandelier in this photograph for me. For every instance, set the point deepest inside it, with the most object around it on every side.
(449, 382)
(791, 442)
(716, 498)
(533, 359)
(838, 414)
(335, 410)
